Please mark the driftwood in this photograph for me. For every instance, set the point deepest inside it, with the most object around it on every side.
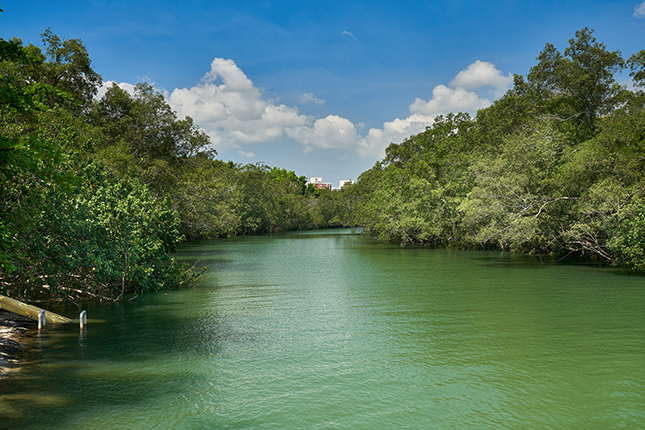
(29, 311)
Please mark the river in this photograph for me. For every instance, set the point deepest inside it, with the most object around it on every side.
(321, 330)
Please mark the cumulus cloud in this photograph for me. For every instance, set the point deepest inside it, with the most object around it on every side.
(309, 97)
(329, 132)
(639, 10)
(481, 74)
(231, 109)
(446, 100)
(377, 139)
(458, 96)
(228, 106)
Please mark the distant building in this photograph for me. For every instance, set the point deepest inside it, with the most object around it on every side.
(343, 182)
(317, 182)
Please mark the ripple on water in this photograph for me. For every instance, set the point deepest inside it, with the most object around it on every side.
(334, 331)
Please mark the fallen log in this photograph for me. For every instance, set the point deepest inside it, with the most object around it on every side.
(29, 311)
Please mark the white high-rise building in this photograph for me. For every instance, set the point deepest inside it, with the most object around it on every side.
(317, 182)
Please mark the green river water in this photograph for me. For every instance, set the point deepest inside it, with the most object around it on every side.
(329, 330)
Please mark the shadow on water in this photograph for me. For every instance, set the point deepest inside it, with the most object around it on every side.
(507, 259)
(143, 352)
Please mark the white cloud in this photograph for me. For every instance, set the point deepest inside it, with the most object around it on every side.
(377, 139)
(329, 132)
(310, 97)
(639, 10)
(348, 33)
(228, 106)
(446, 100)
(246, 154)
(107, 84)
(231, 109)
(460, 98)
(480, 74)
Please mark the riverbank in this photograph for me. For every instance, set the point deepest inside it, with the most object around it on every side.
(12, 340)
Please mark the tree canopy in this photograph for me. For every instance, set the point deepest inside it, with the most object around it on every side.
(553, 167)
(97, 192)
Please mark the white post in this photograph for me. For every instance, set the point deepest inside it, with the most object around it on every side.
(42, 319)
(83, 319)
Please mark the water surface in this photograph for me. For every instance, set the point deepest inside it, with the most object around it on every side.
(327, 329)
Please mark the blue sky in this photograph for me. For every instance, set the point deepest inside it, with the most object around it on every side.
(321, 87)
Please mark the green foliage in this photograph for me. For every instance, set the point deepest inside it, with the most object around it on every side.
(636, 64)
(96, 235)
(553, 167)
(70, 229)
(98, 193)
(596, 217)
(628, 241)
(122, 233)
(515, 194)
(69, 69)
(413, 195)
(205, 198)
(270, 200)
(147, 130)
(577, 87)
(141, 136)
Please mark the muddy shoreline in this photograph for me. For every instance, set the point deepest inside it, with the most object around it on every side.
(13, 330)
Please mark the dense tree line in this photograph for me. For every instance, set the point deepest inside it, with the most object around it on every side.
(143, 138)
(97, 192)
(553, 167)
